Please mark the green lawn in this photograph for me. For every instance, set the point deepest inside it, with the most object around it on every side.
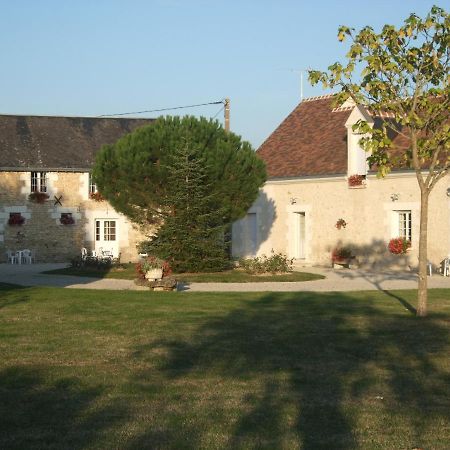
(132, 370)
(127, 272)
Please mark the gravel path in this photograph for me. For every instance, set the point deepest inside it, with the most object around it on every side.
(336, 280)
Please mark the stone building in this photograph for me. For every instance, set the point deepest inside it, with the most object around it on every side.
(51, 158)
(318, 178)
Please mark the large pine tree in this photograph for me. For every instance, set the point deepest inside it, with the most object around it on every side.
(192, 235)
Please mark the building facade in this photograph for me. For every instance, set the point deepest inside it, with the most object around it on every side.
(48, 201)
(320, 195)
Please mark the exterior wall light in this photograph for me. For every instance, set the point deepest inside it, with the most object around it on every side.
(293, 200)
(448, 192)
(394, 197)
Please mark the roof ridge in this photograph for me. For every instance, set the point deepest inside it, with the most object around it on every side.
(342, 108)
(71, 117)
(318, 97)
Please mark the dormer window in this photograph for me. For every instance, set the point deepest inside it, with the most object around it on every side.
(357, 156)
(38, 181)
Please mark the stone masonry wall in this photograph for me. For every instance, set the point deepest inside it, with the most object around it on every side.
(42, 232)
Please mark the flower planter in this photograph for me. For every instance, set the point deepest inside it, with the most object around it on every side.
(154, 274)
(345, 262)
(38, 197)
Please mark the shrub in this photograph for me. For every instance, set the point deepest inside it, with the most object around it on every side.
(399, 246)
(277, 263)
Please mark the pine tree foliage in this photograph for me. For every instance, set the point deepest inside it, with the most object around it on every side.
(132, 173)
(192, 235)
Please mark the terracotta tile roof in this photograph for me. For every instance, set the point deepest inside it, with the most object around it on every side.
(58, 142)
(311, 141)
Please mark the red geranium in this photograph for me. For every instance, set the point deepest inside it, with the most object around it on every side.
(399, 246)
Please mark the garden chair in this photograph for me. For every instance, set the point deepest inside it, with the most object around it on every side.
(83, 254)
(12, 259)
(27, 257)
(446, 268)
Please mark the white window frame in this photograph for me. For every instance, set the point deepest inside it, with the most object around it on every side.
(404, 223)
(38, 182)
(92, 186)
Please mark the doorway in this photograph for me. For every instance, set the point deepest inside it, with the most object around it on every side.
(299, 235)
(106, 236)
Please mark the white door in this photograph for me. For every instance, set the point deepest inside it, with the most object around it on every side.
(106, 237)
(300, 235)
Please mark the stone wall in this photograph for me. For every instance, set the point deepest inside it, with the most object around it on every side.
(42, 232)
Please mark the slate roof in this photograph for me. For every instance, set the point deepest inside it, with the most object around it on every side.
(311, 141)
(64, 143)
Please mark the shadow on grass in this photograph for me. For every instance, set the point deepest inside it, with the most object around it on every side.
(38, 412)
(6, 300)
(402, 301)
(326, 363)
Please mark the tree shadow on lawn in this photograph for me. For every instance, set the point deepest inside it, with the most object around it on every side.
(332, 370)
(36, 412)
(7, 300)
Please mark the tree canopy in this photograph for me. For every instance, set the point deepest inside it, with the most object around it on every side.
(402, 76)
(132, 174)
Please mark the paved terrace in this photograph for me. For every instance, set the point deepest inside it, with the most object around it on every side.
(336, 280)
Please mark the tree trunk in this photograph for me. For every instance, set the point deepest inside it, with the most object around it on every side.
(422, 294)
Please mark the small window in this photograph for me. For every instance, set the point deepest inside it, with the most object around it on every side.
(92, 186)
(404, 224)
(66, 219)
(38, 181)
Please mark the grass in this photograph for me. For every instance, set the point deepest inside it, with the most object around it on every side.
(127, 272)
(132, 370)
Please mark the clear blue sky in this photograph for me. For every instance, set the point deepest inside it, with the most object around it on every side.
(92, 57)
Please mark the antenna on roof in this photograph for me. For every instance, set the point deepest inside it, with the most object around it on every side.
(301, 72)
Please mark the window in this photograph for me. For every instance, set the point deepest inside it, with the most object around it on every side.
(66, 219)
(110, 230)
(404, 224)
(92, 186)
(107, 232)
(38, 181)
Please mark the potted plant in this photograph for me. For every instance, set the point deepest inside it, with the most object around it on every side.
(16, 219)
(399, 246)
(38, 197)
(342, 256)
(356, 180)
(341, 223)
(153, 268)
(96, 196)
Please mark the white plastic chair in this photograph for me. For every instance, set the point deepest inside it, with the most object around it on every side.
(83, 254)
(11, 257)
(27, 257)
(446, 271)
